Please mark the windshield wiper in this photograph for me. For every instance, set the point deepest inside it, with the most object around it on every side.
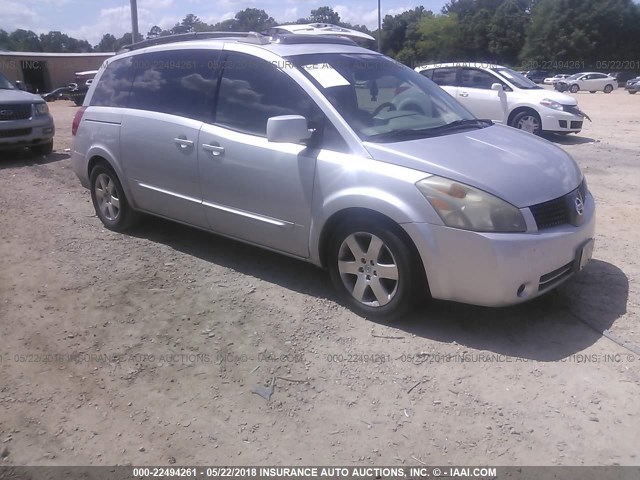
(407, 133)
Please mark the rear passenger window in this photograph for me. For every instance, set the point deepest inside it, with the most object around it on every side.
(114, 86)
(180, 83)
(253, 90)
(445, 77)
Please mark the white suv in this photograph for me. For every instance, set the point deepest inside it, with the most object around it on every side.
(500, 94)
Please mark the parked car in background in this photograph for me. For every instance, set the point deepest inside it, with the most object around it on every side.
(588, 81)
(623, 77)
(504, 96)
(83, 82)
(633, 85)
(537, 76)
(555, 78)
(60, 93)
(270, 141)
(25, 120)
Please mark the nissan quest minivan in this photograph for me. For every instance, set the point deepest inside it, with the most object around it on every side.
(330, 153)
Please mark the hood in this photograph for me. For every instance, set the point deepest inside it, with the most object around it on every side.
(19, 96)
(513, 165)
(537, 95)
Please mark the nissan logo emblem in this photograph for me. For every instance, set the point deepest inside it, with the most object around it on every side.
(6, 113)
(579, 204)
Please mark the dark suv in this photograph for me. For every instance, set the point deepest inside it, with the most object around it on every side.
(537, 76)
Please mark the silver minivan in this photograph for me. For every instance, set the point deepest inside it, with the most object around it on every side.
(336, 155)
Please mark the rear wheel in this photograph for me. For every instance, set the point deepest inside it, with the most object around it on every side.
(529, 121)
(372, 269)
(632, 92)
(574, 88)
(608, 89)
(109, 200)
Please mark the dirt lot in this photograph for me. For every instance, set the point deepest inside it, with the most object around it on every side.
(144, 348)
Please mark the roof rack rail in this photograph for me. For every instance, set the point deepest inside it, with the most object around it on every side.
(251, 37)
(297, 39)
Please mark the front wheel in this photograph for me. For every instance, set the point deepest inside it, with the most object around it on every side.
(372, 270)
(632, 92)
(608, 89)
(529, 121)
(109, 200)
(574, 89)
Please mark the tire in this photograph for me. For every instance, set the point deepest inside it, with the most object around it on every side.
(608, 89)
(632, 92)
(359, 249)
(574, 88)
(528, 121)
(43, 149)
(109, 200)
(592, 91)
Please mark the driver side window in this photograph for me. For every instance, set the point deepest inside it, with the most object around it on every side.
(474, 78)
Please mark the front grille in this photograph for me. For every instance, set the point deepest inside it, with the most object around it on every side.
(551, 214)
(576, 124)
(20, 111)
(557, 212)
(19, 132)
(551, 279)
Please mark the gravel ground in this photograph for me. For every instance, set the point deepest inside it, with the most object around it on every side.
(145, 348)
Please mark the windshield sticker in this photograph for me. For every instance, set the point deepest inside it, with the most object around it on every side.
(326, 75)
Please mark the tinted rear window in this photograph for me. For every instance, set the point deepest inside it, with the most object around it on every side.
(114, 87)
(180, 83)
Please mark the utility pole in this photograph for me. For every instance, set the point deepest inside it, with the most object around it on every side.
(379, 28)
(134, 21)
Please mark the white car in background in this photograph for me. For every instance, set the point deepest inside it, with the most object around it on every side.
(589, 81)
(555, 78)
(504, 96)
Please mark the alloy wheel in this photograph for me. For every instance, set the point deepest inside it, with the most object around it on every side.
(529, 123)
(368, 269)
(108, 197)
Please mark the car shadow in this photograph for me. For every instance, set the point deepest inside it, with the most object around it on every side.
(25, 158)
(569, 139)
(550, 328)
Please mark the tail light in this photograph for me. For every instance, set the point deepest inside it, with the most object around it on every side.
(76, 120)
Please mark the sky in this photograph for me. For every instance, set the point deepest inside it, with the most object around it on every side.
(90, 19)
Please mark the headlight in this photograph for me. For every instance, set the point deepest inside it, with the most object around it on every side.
(466, 207)
(547, 102)
(41, 108)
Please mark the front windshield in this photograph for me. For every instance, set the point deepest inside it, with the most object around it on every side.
(5, 84)
(518, 80)
(382, 100)
(574, 77)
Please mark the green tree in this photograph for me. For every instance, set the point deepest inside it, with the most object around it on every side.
(506, 33)
(24, 41)
(440, 39)
(107, 43)
(589, 31)
(400, 32)
(324, 15)
(253, 20)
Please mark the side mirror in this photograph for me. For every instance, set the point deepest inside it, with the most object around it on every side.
(288, 129)
(497, 87)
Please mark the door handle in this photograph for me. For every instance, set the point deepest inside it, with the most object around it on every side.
(183, 142)
(215, 150)
(464, 94)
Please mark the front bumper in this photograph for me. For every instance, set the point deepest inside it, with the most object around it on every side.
(26, 133)
(562, 121)
(490, 269)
